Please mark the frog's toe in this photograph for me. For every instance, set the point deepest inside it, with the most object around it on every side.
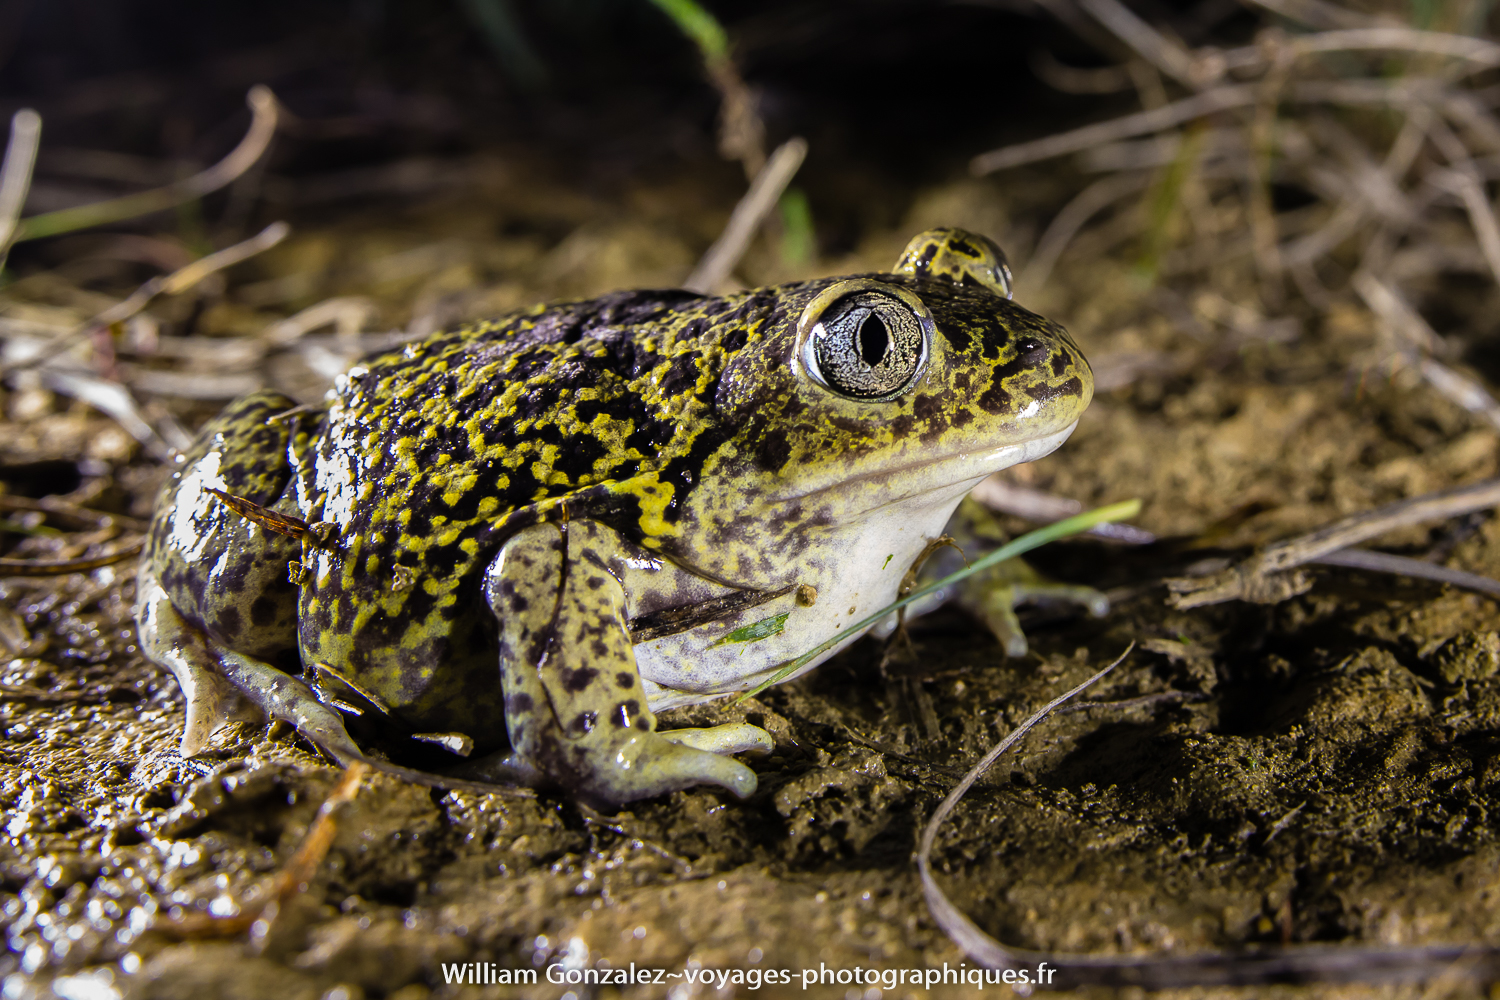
(1091, 600)
(735, 737)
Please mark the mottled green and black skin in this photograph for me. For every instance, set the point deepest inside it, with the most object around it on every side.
(509, 500)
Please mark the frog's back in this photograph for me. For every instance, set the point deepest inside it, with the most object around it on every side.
(473, 425)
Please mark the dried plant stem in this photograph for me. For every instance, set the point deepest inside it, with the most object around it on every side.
(262, 126)
(1402, 92)
(1272, 48)
(742, 134)
(15, 174)
(61, 567)
(288, 883)
(1066, 224)
(1140, 123)
(1461, 389)
(747, 216)
(1267, 251)
(1402, 320)
(175, 283)
(1263, 578)
(1474, 50)
(1315, 13)
(1384, 562)
(347, 314)
(1389, 202)
(1157, 49)
(1419, 341)
(1465, 183)
(1356, 528)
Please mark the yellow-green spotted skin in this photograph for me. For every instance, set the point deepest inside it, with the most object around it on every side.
(536, 529)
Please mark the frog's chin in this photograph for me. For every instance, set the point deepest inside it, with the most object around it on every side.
(956, 472)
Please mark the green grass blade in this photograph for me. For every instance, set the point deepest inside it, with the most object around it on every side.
(699, 25)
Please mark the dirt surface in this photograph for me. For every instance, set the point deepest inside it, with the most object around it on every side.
(1321, 770)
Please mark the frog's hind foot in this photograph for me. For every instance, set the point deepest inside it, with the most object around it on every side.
(222, 686)
(167, 639)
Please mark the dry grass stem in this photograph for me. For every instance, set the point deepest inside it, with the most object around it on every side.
(292, 880)
(346, 314)
(1140, 123)
(61, 567)
(752, 210)
(1066, 224)
(1263, 578)
(172, 284)
(1467, 186)
(257, 138)
(15, 173)
(1400, 318)
(1315, 13)
(1157, 49)
(1384, 562)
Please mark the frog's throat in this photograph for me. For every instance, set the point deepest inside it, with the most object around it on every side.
(941, 472)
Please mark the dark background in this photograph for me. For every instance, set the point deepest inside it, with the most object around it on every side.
(898, 90)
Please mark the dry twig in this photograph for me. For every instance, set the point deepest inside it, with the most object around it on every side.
(61, 567)
(173, 284)
(292, 880)
(747, 217)
(262, 126)
(15, 174)
(1265, 578)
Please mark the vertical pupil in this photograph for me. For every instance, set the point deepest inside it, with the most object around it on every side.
(873, 340)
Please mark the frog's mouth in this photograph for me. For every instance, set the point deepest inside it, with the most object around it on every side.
(955, 472)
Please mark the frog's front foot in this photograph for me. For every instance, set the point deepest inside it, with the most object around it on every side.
(994, 603)
(575, 706)
(993, 596)
(648, 764)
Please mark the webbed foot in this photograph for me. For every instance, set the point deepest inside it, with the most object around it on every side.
(648, 764)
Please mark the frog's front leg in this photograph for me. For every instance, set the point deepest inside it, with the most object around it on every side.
(574, 705)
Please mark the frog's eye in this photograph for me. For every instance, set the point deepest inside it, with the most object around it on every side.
(865, 340)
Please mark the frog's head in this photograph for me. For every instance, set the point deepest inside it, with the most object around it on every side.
(873, 390)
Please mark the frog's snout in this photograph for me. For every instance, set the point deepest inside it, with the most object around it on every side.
(1045, 379)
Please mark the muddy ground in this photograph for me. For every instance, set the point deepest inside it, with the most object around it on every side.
(1321, 770)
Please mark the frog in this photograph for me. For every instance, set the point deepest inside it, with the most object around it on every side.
(512, 543)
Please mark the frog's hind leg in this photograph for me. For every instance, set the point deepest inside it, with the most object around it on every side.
(212, 702)
(223, 686)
